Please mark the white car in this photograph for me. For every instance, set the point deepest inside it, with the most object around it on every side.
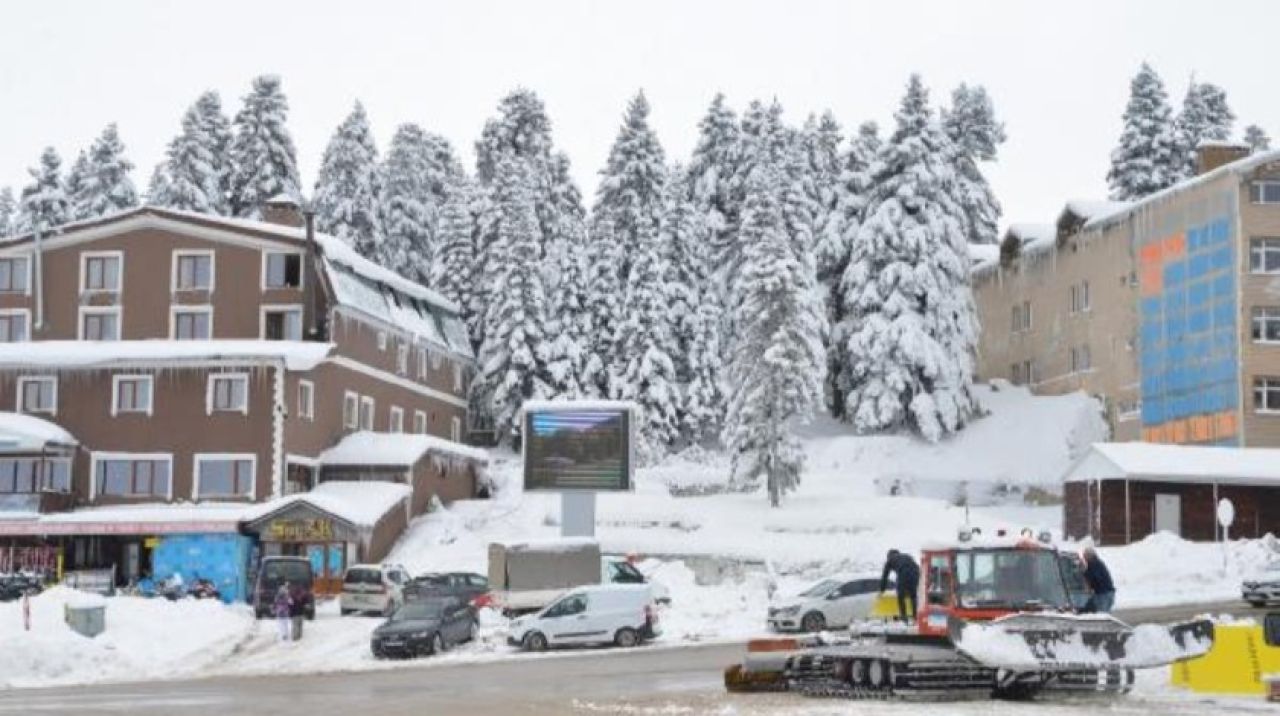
(1264, 587)
(621, 614)
(377, 588)
(832, 603)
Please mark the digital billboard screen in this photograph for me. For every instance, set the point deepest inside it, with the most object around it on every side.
(577, 449)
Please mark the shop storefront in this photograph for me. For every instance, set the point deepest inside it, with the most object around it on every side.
(301, 529)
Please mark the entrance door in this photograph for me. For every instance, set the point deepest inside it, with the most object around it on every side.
(1169, 514)
(132, 561)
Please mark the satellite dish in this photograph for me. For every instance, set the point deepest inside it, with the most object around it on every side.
(1226, 513)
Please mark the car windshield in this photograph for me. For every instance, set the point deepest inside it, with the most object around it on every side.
(1010, 578)
(820, 589)
(287, 569)
(418, 610)
(624, 573)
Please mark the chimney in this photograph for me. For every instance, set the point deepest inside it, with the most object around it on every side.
(284, 210)
(1211, 154)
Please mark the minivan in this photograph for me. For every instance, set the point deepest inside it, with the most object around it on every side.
(275, 571)
(621, 614)
(377, 588)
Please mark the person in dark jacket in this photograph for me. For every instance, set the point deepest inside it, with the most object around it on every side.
(907, 576)
(1098, 577)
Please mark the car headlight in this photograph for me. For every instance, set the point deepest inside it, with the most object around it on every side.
(424, 634)
(788, 611)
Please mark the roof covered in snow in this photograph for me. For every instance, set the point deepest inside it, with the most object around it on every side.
(360, 503)
(983, 256)
(395, 449)
(1178, 463)
(1089, 209)
(27, 433)
(297, 355)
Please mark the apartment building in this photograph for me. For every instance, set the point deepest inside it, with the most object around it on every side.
(207, 362)
(1167, 309)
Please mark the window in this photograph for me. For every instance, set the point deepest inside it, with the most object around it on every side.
(455, 429)
(13, 326)
(457, 377)
(422, 363)
(1078, 297)
(228, 393)
(28, 475)
(1022, 317)
(1015, 374)
(14, 274)
(1080, 359)
(1073, 301)
(38, 395)
(224, 476)
(192, 271)
(397, 419)
(350, 410)
(1266, 395)
(281, 270)
(435, 360)
(419, 422)
(1264, 255)
(1084, 295)
(382, 340)
(1265, 192)
(99, 324)
(366, 413)
(132, 476)
(282, 323)
(306, 400)
(192, 323)
(1029, 371)
(402, 358)
(131, 394)
(100, 271)
(1016, 323)
(1266, 324)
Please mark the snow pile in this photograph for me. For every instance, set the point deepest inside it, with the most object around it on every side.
(1151, 645)
(144, 639)
(1163, 569)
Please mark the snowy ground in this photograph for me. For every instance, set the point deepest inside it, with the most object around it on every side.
(719, 552)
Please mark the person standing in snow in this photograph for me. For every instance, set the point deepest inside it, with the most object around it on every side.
(1098, 577)
(282, 608)
(907, 577)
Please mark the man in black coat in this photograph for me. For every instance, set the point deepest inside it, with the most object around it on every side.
(1098, 577)
(907, 577)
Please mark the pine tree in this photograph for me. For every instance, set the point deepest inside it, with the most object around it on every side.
(626, 217)
(1148, 157)
(44, 201)
(408, 204)
(834, 251)
(909, 315)
(775, 365)
(453, 270)
(8, 213)
(695, 311)
(972, 126)
(1257, 139)
(573, 373)
(75, 188)
(713, 169)
(264, 163)
(348, 194)
(1205, 116)
(514, 353)
(106, 186)
(821, 141)
(196, 168)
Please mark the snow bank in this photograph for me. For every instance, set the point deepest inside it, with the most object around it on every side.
(1163, 569)
(144, 639)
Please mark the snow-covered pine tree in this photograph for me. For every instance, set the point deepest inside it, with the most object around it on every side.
(833, 251)
(713, 169)
(513, 357)
(821, 140)
(972, 126)
(1148, 157)
(44, 201)
(565, 275)
(695, 311)
(1257, 139)
(74, 186)
(909, 315)
(196, 165)
(348, 194)
(1205, 116)
(521, 128)
(106, 186)
(408, 205)
(158, 186)
(264, 162)
(775, 365)
(453, 270)
(626, 216)
(8, 212)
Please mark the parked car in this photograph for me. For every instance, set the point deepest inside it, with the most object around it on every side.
(423, 627)
(620, 614)
(467, 586)
(619, 570)
(275, 571)
(1263, 587)
(377, 588)
(831, 603)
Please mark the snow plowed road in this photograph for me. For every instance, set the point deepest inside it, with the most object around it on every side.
(650, 680)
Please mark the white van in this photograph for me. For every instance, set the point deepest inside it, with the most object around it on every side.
(621, 614)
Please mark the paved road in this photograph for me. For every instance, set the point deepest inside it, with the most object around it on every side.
(647, 680)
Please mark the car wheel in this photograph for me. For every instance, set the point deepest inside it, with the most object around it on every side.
(813, 621)
(473, 631)
(437, 644)
(626, 638)
(535, 641)
(345, 612)
(377, 653)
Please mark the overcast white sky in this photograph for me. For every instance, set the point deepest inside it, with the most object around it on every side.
(1058, 71)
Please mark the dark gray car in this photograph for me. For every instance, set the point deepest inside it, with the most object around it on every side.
(467, 586)
(423, 627)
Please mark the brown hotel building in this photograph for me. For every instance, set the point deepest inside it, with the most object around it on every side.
(202, 361)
